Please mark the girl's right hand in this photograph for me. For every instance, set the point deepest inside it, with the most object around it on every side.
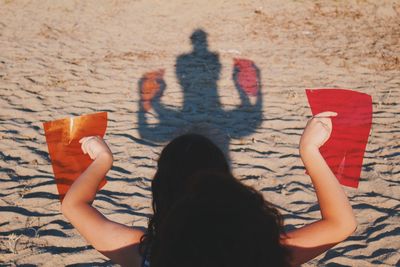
(94, 146)
(317, 130)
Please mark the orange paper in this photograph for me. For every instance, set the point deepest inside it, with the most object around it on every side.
(150, 87)
(67, 158)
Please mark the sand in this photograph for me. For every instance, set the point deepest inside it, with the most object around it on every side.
(66, 58)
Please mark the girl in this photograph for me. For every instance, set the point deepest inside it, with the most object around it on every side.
(177, 166)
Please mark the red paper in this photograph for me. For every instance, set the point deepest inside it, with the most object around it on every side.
(67, 158)
(344, 151)
(150, 87)
(246, 76)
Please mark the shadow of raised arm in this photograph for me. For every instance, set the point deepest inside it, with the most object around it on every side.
(151, 88)
(247, 117)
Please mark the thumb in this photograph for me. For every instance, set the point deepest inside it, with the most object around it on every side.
(326, 114)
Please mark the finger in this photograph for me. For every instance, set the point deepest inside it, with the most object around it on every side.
(326, 114)
(83, 147)
(85, 143)
(91, 153)
(326, 122)
(83, 139)
(326, 126)
(89, 138)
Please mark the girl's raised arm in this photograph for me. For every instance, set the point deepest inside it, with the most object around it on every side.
(116, 241)
(338, 220)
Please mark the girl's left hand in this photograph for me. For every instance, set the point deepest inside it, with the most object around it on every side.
(318, 130)
(94, 146)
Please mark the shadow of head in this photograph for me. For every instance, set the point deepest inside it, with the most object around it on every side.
(199, 40)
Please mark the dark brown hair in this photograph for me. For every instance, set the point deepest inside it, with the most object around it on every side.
(179, 160)
(221, 222)
(203, 216)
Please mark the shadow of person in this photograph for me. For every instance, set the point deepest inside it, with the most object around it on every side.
(198, 73)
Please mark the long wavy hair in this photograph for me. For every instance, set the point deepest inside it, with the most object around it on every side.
(221, 222)
(203, 216)
(178, 161)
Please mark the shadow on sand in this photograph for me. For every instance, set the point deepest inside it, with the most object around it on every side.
(202, 112)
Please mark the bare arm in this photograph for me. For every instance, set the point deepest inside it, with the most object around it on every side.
(114, 240)
(338, 220)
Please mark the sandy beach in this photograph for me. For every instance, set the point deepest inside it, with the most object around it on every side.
(68, 58)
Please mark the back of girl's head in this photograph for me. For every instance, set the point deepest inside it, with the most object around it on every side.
(179, 160)
(220, 222)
